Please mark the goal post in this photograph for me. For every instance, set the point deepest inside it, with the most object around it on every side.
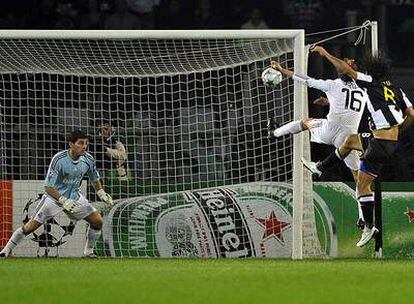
(377, 181)
(190, 108)
(299, 142)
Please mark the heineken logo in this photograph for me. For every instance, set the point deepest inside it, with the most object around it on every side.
(180, 237)
(274, 227)
(228, 227)
(137, 221)
(238, 221)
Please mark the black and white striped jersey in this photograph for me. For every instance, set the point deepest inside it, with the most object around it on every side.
(404, 102)
(384, 104)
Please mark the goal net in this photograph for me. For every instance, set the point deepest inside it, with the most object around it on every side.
(198, 176)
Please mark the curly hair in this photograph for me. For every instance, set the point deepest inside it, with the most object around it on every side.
(378, 66)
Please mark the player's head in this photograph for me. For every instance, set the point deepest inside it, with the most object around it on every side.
(78, 142)
(104, 126)
(351, 62)
(353, 65)
(378, 66)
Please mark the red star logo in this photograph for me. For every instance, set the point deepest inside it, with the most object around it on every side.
(274, 227)
(410, 214)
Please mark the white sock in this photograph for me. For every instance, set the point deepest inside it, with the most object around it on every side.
(16, 239)
(292, 127)
(92, 237)
(360, 214)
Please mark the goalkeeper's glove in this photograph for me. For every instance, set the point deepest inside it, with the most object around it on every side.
(105, 197)
(70, 205)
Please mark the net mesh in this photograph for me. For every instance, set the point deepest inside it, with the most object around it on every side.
(190, 114)
(142, 58)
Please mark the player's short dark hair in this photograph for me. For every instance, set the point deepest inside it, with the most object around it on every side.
(77, 134)
(346, 78)
(101, 121)
(104, 118)
(378, 66)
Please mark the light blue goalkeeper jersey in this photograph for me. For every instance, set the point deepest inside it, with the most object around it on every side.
(66, 174)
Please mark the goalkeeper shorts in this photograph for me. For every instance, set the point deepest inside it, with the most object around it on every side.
(47, 209)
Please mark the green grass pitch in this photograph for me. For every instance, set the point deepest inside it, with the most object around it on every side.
(205, 281)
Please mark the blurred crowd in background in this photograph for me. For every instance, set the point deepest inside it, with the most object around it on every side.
(396, 17)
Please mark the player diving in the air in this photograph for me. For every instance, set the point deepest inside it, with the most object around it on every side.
(62, 183)
(359, 142)
(386, 104)
(347, 102)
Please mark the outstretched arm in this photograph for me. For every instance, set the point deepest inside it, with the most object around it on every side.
(276, 65)
(340, 65)
(323, 85)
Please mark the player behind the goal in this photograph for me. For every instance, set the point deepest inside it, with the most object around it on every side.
(347, 102)
(66, 171)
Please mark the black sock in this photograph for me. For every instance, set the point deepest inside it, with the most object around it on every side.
(329, 161)
(367, 206)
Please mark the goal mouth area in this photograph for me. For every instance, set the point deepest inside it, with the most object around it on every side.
(189, 106)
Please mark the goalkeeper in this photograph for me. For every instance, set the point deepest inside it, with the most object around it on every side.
(66, 171)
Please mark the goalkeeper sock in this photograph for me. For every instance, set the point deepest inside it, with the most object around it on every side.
(292, 127)
(329, 161)
(367, 206)
(92, 237)
(16, 239)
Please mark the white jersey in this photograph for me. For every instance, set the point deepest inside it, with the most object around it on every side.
(346, 100)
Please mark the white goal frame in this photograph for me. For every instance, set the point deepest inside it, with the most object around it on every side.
(300, 142)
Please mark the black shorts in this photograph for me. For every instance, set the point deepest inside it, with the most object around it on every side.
(364, 139)
(377, 152)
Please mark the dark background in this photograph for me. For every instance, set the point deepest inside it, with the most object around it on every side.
(395, 19)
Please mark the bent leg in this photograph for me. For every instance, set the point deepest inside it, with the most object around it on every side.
(95, 220)
(350, 143)
(19, 235)
(350, 146)
(45, 210)
(94, 231)
(366, 201)
(366, 197)
(31, 226)
(293, 127)
(352, 162)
